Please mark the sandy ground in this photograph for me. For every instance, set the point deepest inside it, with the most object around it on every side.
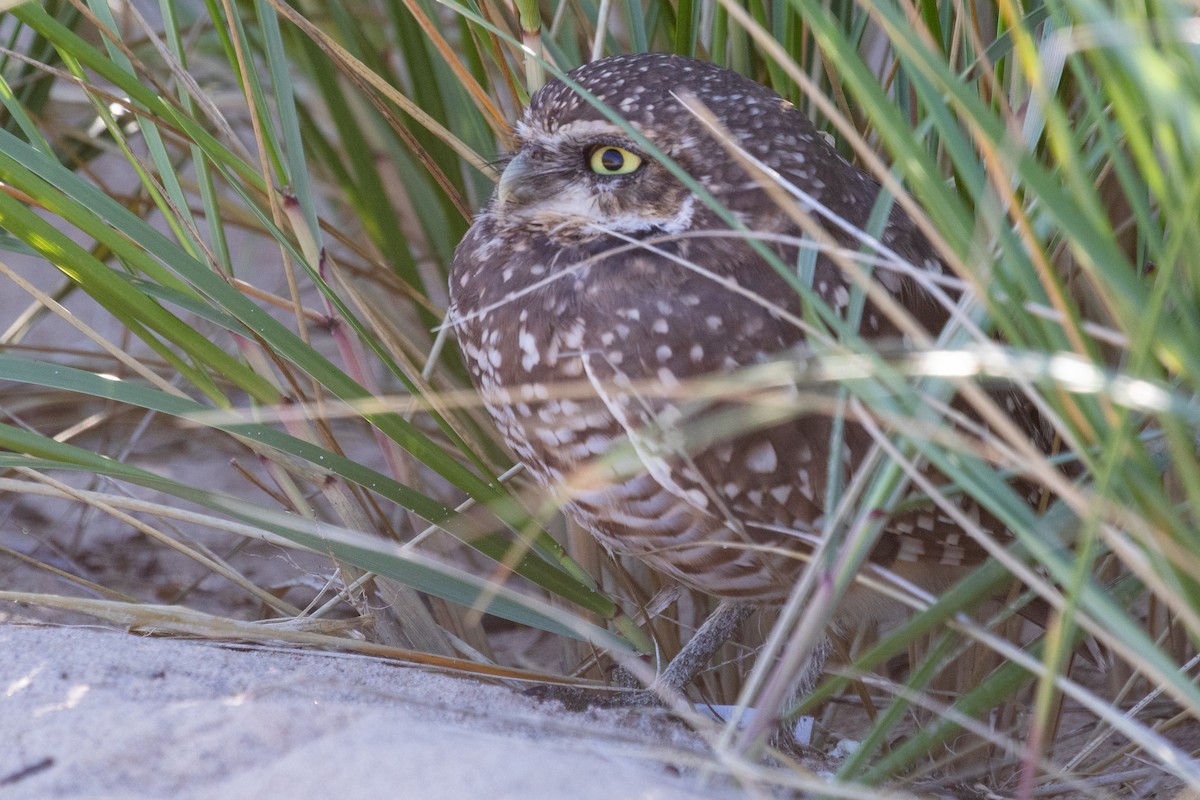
(89, 712)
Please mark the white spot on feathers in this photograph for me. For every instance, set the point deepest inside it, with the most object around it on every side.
(528, 346)
(761, 458)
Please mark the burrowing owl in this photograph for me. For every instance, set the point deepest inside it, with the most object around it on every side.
(597, 282)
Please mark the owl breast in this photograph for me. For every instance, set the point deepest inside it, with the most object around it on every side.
(585, 372)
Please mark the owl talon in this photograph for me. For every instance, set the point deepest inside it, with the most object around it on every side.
(577, 698)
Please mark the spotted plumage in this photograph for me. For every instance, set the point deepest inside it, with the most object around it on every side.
(597, 282)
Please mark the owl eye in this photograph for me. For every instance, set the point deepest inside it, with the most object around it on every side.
(607, 159)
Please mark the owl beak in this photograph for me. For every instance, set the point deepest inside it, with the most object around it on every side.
(517, 185)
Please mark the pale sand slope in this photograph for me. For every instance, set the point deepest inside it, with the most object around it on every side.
(94, 713)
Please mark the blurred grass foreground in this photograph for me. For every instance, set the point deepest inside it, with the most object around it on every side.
(229, 408)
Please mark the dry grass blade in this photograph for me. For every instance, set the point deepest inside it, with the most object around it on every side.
(182, 621)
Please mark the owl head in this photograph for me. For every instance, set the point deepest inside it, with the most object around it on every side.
(577, 174)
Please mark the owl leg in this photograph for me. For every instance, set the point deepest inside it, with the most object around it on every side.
(700, 649)
(785, 736)
(715, 631)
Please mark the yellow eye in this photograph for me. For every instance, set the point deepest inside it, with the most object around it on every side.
(609, 160)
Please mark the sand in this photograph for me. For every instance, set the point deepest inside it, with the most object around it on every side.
(96, 713)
